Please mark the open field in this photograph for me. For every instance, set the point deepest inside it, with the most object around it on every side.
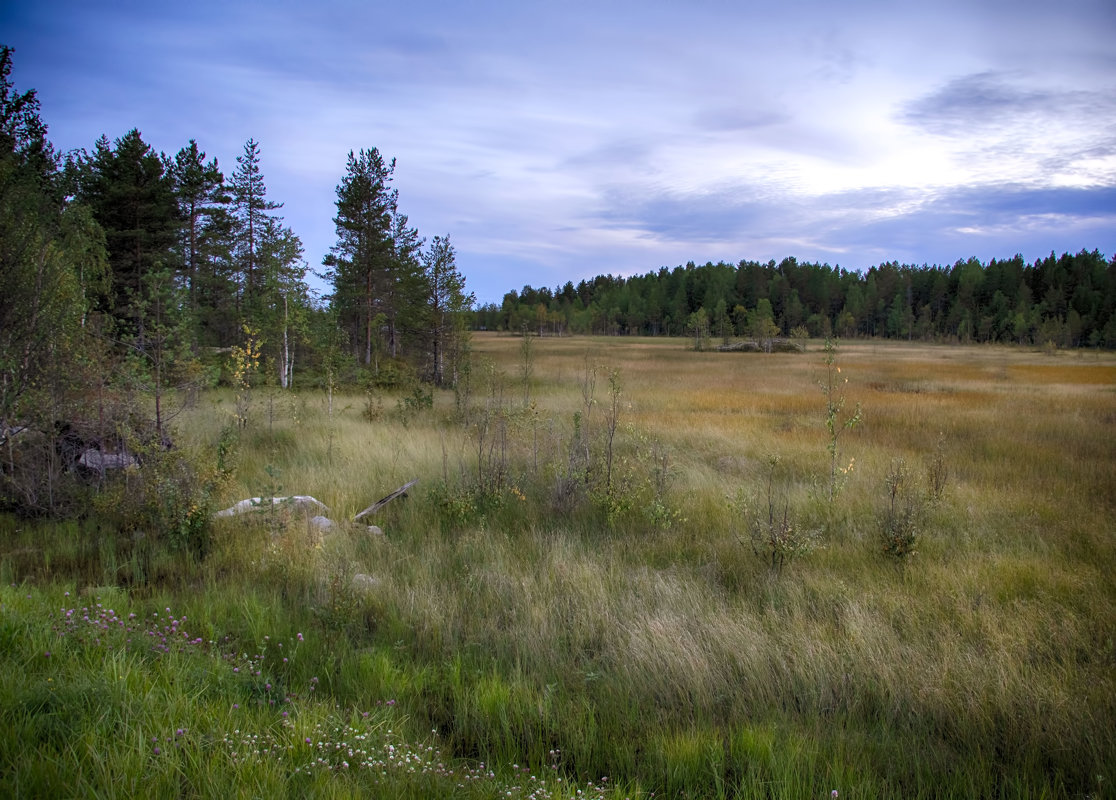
(586, 610)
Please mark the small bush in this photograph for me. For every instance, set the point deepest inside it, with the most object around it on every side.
(899, 521)
(775, 536)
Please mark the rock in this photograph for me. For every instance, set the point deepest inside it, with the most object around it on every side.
(375, 530)
(322, 524)
(96, 460)
(299, 502)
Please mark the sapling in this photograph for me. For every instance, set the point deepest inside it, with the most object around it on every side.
(527, 365)
(244, 364)
(612, 417)
(937, 471)
(832, 387)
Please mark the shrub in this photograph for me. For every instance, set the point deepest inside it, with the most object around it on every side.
(899, 521)
(775, 536)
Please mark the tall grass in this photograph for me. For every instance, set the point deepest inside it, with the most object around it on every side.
(518, 614)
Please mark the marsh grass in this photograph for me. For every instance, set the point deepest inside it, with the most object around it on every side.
(588, 640)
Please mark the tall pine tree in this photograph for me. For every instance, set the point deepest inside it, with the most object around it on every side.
(360, 264)
(250, 210)
(204, 246)
(131, 194)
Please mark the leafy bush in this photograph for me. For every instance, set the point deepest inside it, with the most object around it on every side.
(168, 498)
(776, 536)
(899, 521)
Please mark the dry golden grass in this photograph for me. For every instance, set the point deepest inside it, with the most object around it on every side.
(992, 648)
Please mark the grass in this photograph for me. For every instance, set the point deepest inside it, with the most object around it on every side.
(520, 622)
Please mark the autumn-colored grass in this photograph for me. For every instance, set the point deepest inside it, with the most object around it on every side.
(554, 624)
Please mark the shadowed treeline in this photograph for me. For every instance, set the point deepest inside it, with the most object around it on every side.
(1066, 301)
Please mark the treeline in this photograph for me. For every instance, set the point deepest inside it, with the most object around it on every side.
(1068, 300)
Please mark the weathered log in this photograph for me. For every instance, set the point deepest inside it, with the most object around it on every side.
(400, 492)
(299, 501)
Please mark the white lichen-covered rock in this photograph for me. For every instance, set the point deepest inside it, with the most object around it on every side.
(375, 530)
(96, 460)
(321, 524)
(298, 502)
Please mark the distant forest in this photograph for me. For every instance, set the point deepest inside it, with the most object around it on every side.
(1066, 301)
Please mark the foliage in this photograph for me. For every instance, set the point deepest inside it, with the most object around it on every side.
(362, 265)
(447, 302)
(775, 535)
(244, 363)
(167, 500)
(252, 221)
(900, 521)
(1066, 301)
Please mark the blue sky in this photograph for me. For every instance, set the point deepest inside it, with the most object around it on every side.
(556, 141)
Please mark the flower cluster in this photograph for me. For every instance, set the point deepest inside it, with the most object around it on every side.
(98, 626)
(367, 745)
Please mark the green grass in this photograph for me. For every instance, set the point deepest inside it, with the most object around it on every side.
(521, 616)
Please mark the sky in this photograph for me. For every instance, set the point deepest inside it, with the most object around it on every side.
(555, 141)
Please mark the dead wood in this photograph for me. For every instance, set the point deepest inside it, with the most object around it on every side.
(400, 492)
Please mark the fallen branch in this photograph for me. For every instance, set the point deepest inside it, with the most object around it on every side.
(298, 501)
(400, 492)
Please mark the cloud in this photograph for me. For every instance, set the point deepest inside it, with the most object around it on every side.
(738, 118)
(995, 99)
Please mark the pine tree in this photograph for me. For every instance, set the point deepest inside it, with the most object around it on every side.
(250, 210)
(204, 246)
(448, 303)
(132, 198)
(404, 300)
(360, 264)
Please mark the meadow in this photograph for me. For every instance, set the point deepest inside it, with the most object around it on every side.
(627, 570)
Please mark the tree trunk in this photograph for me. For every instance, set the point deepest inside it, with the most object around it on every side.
(285, 359)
